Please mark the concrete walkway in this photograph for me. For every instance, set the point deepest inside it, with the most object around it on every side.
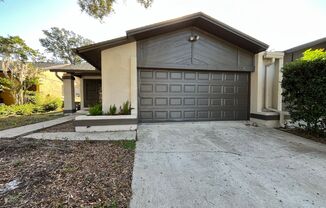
(23, 130)
(108, 136)
(226, 164)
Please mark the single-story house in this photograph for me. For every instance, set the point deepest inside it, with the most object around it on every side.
(193, 68)
(296, 52)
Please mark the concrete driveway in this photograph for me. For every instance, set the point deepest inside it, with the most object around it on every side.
(226, 164)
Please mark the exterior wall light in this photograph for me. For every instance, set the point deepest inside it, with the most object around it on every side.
(193, 38)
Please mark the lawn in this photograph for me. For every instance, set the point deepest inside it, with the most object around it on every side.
(15, 121)
(65, 173)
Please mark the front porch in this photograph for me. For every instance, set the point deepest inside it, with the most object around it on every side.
(91, 87)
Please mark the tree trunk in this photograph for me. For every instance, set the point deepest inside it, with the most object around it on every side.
(19, 98)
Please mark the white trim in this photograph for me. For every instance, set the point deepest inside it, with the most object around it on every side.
(107, 128)
(105, 117)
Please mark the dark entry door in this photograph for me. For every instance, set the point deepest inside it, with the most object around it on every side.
(92, 92)
(181, 95)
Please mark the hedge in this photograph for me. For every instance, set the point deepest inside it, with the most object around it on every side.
(304, 92)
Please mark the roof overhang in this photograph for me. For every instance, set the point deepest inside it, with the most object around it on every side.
(306, 45)
(81, 69)
(78, 73)
(92, 53)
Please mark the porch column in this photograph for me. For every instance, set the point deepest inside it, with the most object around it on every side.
(69, 93)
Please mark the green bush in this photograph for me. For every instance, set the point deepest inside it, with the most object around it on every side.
(39, 105)
(26, 109)
(52, 104)
(5, 110)
(304, 91)
(112, 110)
(125, 109)
(96, 110)
(47, 103)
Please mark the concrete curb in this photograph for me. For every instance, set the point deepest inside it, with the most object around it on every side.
(23, 130)
(80, 136)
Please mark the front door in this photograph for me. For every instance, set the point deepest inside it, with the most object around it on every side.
(92, 92)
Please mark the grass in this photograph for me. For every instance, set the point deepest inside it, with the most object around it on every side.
(129, 145)
(16, 121)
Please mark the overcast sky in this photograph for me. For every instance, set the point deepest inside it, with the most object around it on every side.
(280, 23)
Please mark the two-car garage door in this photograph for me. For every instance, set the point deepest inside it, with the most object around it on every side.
(187, 95)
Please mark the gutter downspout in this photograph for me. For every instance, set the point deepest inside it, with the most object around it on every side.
(57, 75)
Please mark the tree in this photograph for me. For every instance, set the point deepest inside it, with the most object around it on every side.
(60, 43)
(18, 74)
(102, 8)
(16, 48)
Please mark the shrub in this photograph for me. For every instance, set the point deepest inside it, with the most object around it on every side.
(25, 109)
(40, 105)
(6, 110)
(96, 110)
(125, 109)
(304, 91)
(112, 110)
(47, 103)
(52, 104)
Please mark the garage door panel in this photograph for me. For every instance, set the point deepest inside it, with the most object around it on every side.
(161, 115)
(190, 75)
(161, 88)
(145, 74)
(146, 101)
(161, 75)
(175, 114)
(161, 101)
(146, 88)
(176, 95)
(146, 115)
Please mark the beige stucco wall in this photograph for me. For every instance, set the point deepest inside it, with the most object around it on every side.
(273, 99)
(119, 76)
(256, 85)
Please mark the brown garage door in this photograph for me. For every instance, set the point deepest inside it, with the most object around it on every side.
(181, 95)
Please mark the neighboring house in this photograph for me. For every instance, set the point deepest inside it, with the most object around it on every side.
(50, 84)
(193, 68)
(296, 52)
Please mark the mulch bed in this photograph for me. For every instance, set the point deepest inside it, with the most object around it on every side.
(64, 127)
(304, 134)
(66, 173)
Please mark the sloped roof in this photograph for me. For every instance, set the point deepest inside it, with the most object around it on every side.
(41, 65)
(92, 53)
(77, 69)
(306, 45)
